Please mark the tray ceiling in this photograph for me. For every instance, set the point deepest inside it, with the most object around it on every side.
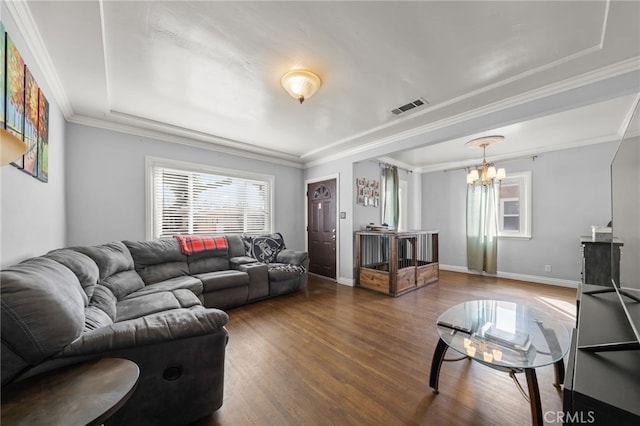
(210, 71)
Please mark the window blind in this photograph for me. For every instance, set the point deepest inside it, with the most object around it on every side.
(194, 202)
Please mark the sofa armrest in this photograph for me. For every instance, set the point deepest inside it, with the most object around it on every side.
(292, 257)
(235, 262)
(151, 329)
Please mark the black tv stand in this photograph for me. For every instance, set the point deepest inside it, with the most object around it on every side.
(603, 369)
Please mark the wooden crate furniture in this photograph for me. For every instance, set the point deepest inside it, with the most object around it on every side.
(396, 262)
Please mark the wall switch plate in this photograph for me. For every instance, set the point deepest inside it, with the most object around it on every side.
(343, 215)
(547, 268)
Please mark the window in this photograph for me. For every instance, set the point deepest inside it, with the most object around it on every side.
(187, 198)
(514, 206)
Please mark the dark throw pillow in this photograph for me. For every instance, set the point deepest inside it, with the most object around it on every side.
(266, 248)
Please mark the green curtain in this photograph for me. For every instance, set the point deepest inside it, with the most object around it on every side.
(390, 201)
(482, 228)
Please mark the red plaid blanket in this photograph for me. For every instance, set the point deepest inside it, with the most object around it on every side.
(192, 244)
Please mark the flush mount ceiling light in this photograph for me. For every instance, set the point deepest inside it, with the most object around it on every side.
(301, 84)
(487, 173)
(11, 147)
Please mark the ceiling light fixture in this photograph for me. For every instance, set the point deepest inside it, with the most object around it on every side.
(487, 173)
(301, 84)
(11, 147)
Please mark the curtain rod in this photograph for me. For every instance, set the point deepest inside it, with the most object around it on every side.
(393, 165)
(508, 160)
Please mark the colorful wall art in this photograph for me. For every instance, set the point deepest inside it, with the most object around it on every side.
(24, 110)
(2, 72)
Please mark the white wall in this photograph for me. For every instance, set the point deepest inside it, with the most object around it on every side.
(106, 185)
(32, 214)
(570, 192)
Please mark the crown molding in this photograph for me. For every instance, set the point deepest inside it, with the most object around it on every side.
(520, 154)
(624, 126)
(19, 11)
(190, 138)
(591, 77)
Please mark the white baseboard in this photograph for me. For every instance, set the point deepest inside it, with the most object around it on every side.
(346, 281)
(340, 280)
(510, 275)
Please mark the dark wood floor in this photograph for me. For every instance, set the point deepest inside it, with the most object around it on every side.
(336, 355)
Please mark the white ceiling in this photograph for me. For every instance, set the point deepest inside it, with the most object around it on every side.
(209, 71)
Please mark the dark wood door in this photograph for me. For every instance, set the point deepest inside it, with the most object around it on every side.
(321, 227)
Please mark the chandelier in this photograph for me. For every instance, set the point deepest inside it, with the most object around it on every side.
(487, 173)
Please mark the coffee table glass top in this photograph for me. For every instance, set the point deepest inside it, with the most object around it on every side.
(503, 334)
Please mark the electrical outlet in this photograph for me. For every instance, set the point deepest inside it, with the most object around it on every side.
(547, 268)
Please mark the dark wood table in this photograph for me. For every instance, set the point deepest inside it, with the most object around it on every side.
(80, 394)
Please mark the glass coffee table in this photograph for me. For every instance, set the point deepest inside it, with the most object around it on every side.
(506, 336)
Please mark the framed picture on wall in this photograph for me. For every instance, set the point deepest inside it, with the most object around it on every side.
(368, 192)
(14, 98)
(30, 163)
(43, 137)
(3, 48)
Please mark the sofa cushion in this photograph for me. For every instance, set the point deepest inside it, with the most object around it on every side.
(284, 271)
(235, 262)
(158, 260)
(186, 298)
(213, 281)
(95, 318)
(42, 308)
(111, 258)
(266, 248)
(153, 303)
(104, 300)
(80, 264)
(156, 328)
(237, 246)
(145, 305)
(209, 261)
(189, 283)
(123, 283)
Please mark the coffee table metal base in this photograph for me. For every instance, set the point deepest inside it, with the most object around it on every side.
(530, 374)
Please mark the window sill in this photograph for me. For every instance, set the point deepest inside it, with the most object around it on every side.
(514, 237)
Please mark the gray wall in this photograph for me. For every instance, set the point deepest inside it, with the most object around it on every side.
(363, 215)
(32, 212)
(106, 185)
(570, 192)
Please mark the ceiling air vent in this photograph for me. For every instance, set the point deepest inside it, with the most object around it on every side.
(411, 105)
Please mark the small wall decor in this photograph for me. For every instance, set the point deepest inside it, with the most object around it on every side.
(14, 96)
(368, 192)
(24, 110)
(30, 123)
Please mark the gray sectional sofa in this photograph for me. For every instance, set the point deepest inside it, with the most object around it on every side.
(141, 300)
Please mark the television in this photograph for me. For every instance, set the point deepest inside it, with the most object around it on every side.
(625, 223)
